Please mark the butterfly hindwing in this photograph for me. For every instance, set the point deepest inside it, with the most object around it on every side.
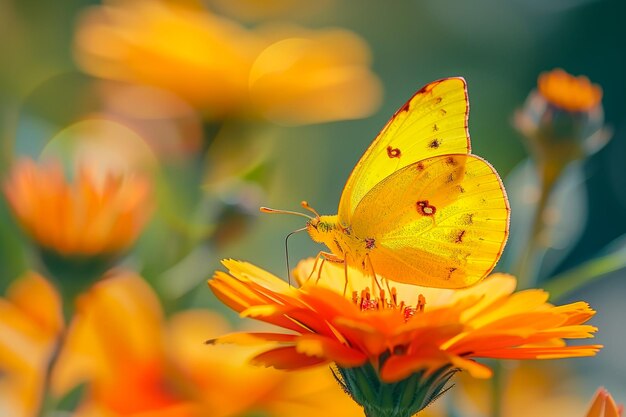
(433, 122)
(438, 222)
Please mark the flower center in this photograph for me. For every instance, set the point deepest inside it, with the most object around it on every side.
(366, 302)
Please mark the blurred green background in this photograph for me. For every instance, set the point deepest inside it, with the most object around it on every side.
(500, 47)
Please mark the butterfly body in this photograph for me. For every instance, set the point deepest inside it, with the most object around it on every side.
(342, 242)
(418, 207)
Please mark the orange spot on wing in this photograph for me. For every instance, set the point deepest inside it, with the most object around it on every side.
(425, 209)
(393, 152)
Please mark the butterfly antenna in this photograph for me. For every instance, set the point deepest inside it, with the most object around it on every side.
(306, 206)
(275, 211)
(287, 252)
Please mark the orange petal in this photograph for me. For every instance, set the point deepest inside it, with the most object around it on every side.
(39, 300)
(398, 367)
(477, 370)
(325, 348)
(286, 358)
(539, 352)
(248, 339)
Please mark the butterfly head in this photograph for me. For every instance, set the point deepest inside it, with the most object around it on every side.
(321, 228)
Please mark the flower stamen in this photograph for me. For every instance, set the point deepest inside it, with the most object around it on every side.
(365, 302)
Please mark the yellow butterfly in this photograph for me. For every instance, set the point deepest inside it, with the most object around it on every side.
(418, 208)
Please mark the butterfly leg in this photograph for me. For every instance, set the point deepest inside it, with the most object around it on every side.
(324, 256)
(345, 274)
(374, 279)
(319, 271)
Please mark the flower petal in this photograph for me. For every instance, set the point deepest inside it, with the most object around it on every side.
(286, 358)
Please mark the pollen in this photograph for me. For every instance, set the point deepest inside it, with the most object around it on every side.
(366, 301)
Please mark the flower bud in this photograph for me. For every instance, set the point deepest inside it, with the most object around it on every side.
(563, 119)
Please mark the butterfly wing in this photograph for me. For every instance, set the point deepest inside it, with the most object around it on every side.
(439, 222)
(433, 122)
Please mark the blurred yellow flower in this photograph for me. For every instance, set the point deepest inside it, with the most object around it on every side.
(201, 57)
(99, 213)
(526, 389)
(603, 405)
(136, 364)
(569, 92)
(313, 76)
(225, 69)
(31, 321)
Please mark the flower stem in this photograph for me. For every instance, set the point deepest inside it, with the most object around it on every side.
(528, 263)
(48, 402)
(497, 389)
(568, 281)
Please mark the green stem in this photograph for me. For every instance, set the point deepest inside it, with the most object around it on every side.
(527, 265)
(49, 403)
(497, 389)
(568, 281)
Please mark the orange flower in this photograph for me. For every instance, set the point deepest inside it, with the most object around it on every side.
(224, 69)
(399, 332)
(95, 215)
(151, 368)
(30, 323)
(568, 92)
(309, 76)
(203, 58)
(526, 389)
(562, 120)
(603, 405)
(418, 328)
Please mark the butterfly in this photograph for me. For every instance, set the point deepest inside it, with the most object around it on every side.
(418, 207)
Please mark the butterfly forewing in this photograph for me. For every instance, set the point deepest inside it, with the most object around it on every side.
(439, 222)
(433, 122)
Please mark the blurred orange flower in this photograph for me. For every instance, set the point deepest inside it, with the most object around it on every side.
(562, 120)
(31, 321)
(148, 367)
(525, 389)
(307, 76)
(202, 57)
(569, 92)
(96, 214)
(401, 332)
(603, 405)
(225, 69)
